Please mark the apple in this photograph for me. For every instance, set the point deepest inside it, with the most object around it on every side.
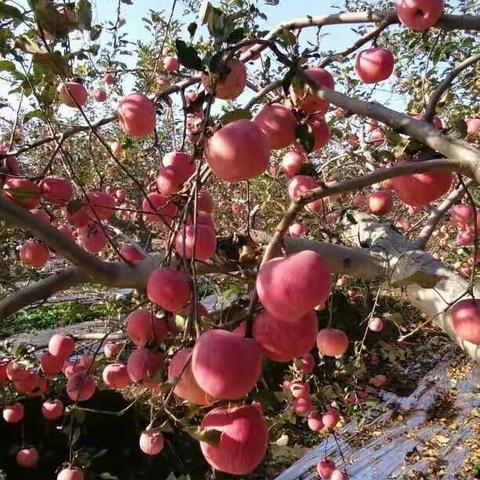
(72, 94)
(243, 440)
(419, 14)
(374, 65)
(27, 457)
(232, 84)
(332, 342)
(238, 151)
(22, 191)
(56, 190)
(137, 115)
(169, 288)
(380, 202)
(34, 254)
(305, 99)
(278, 123)
(465, 319)
(304, 276)
(151, 443)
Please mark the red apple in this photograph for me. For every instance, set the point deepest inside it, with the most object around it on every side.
(465, 319)
(332, 342)
(238, 151)
(419, 14)
(169, 288)
(137, 115)
(374, 65)
(243, 441)
(278, 124)
(380, 202)
(232, 84)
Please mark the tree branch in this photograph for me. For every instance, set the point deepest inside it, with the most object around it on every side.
(41, 290)
(445, 84)
(437, 215)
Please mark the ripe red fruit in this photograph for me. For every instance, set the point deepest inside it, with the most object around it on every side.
(72, 93)
(137, 115)
(203, 239)
(238, 151)
(466, 237)
(339, 475)
(332, 342)
(99, 94)
(27, 457)
(216, 368)
(159, 208)
(108, 79)
(61, 346)
(315, 423)
(232, 85)
(112, 349)
(13, 413)
(308, 101)
(302, 405)
(71, 473)
(380, 202)
(151, 443)
(34, 254)
(116, 375)
(461, 214)
(292, 163)
(304, 276)
(419, 189)
(56, 190)
(92, 237)
(80, 387)
(50, 364)
(296, 230)
(374, 65)
(282, 341)
(143, 364)
(131, 253)
(169, 180)
(143, 327)
(301, 184)
(205, 201)
(41, 214)
(419, 14)
(377, 136)
(170, 64)
(182, 162)
(16, 371)
(330, 418)
(52, 409)
(325, 468)
(100, 205)
(168, 288)
(22, 191)
(307, 363)
(243, 442)
(465, 320)
(473, 126)
(375, 324)
(187, 387)
(278, 123)
(320, 131)
(300, 389)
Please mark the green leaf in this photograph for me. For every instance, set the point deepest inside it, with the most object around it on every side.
(238, 114)
(212, 437)
(216, 23)
(8, 11)
(33, 114)
(95, 32)
(287, 81)
(83, 11)
(287, 37)
(28, 45)
(236, 35)
(54, 61)
(50, 19)
(192, 28)
(7, 66)
(304, 135)
(205, 11)
(188, 56)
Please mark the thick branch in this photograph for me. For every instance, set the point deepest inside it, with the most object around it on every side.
(380, 175)
(466, 156)
(445, 84)
(41, 290)
(103, 272)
